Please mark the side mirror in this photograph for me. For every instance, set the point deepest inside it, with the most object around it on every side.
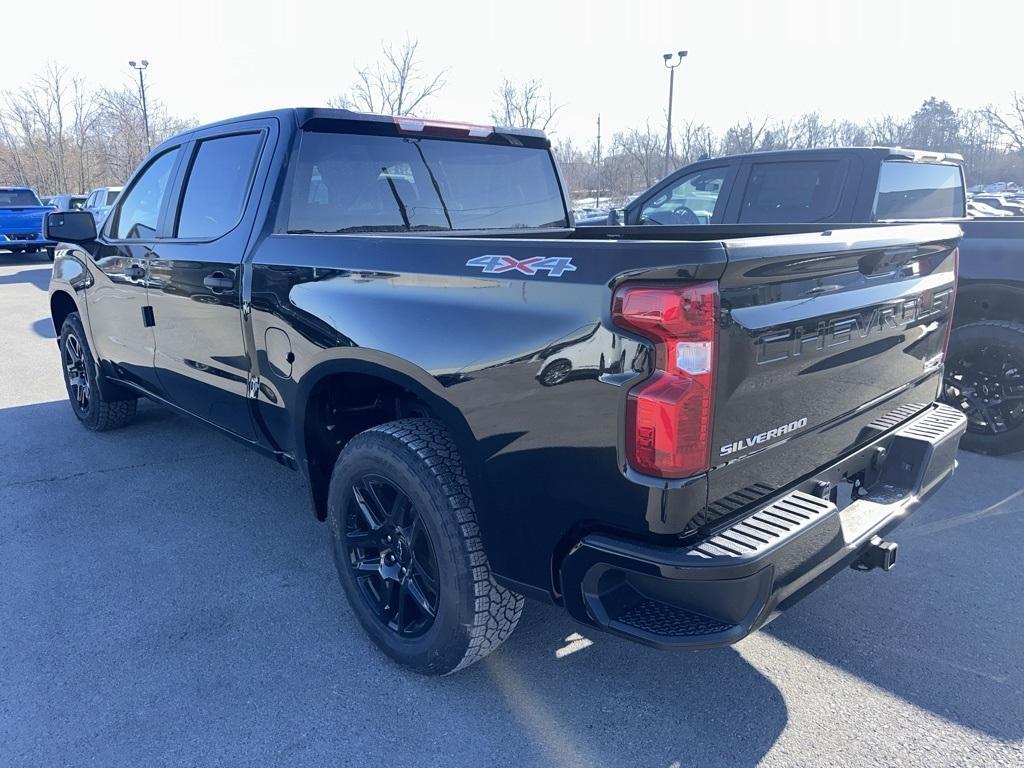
(69, 227)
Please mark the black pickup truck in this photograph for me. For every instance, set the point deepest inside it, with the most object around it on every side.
(377, 302)
(854, 186)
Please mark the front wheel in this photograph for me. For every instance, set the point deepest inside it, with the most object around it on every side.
(985, 379)
(408, 550)
(80, 378)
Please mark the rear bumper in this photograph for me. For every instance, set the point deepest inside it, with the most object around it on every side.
(22, 240)
(719, 590)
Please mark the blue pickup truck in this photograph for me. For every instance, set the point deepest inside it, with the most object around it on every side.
(21, 222)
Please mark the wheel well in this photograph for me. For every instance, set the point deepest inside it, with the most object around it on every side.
(989, 302)
(340, 406)
(61, 305)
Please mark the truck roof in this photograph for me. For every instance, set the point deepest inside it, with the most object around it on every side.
(318, 117)
(886, 153)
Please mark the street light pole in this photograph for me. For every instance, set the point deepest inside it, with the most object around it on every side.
(671, 87)
(140, 66)
(598, 203)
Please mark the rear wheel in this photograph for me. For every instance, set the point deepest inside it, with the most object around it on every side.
(80, 378)
(985, 379)
(408, 551)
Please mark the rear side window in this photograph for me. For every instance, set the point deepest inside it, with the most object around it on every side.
(792, 192)
(217, 185)
(908, 190)
(110, 196)
(355, 183)
(137, 216)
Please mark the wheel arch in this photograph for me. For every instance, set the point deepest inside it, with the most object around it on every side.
(989, 301)
(62, 304)
(378, 388)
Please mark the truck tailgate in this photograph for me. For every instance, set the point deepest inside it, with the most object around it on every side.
(824, 342)
(19, 220)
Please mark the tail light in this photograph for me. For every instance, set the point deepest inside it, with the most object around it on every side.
(668, 429)
(952, 303)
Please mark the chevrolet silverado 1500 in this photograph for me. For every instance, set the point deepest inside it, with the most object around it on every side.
(380, 303)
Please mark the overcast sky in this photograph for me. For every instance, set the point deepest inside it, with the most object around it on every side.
(853, 59)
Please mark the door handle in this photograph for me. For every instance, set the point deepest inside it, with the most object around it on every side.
(135, 272)
(218, 281)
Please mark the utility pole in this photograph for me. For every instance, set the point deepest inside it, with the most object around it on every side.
(597, 204)
(140, 66)
(671, 87)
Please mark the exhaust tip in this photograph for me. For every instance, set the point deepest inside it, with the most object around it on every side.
(878, 553)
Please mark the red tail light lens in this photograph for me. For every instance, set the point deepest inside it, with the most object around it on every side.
(952, 303)
(668, 430)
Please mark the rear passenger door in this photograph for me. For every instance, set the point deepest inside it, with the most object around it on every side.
(196, 279)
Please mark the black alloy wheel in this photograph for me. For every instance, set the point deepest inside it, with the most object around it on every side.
(391, 556)
(984, 379)
(75, 374)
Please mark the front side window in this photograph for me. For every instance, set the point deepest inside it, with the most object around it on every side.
(792, 192)
(139, 212)
(691, 200)
(355, 183)
(217, 184)
(908, 190)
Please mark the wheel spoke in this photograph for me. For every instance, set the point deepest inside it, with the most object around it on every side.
(367, 566)
(364, 500)
(400, 615)
(419, 597)
(363, 539)
(398, 509)
(386, 606)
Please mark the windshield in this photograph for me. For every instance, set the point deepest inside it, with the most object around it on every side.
(355, 183)
(18, 197)
(908, 190)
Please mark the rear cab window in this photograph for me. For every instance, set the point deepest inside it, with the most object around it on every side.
(792, 192)
(356, 183)
(17, 198)
(909, 190)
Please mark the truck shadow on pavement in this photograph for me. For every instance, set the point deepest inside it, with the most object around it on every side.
(942, 630)
(39, 277)
(177, 591)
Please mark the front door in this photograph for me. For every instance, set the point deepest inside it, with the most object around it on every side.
(196, 280)
(122, 334)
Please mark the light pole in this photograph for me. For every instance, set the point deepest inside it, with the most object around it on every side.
(140, 66)
(671, 87)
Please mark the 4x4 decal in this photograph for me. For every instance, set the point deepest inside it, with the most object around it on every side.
(556, 266)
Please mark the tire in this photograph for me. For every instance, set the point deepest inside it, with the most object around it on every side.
(31, 250)
(472, 614)
(51, 253)
(80, 379)
(985, 379)
(555, 373)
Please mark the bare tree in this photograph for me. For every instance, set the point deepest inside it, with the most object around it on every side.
(395, 85)
(1009, 124)
(645, 150)
(524, 106)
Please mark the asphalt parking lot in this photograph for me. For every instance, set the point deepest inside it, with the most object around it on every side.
(166, 598)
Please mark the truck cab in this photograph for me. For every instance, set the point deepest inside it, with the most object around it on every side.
(867, 184)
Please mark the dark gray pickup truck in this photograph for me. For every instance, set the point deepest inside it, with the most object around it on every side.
(879, 185)
(673, 438)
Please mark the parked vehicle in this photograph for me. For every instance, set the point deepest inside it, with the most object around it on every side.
(840, 187)
(21, 222)
(1002, 203)
(66, 202)
(979, 210)
(100, 201)
(369, 301)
